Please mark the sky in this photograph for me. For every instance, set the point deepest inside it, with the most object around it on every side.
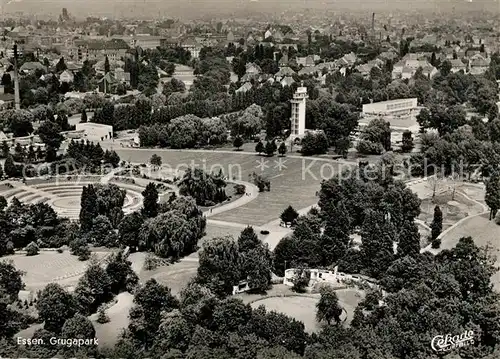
(196, 8)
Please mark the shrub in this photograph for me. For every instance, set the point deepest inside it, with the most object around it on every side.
(436, 243)
(240, 189)
(32, 249)
(102, 317)
(83, 253)
(497, 219)
(150, 262)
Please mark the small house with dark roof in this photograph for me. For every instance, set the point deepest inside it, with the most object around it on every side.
(107, 83)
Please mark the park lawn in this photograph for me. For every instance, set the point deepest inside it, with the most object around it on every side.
(453, 209)
(303, 307)
(483, 232)
(213, 230)
(51, 266)
(295, 184)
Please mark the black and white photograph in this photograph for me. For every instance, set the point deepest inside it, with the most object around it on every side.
(250, 179)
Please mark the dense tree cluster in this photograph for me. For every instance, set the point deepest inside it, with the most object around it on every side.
(173, 233)
(185, 132)
(206, 188)
(375, 138)
(22, 224)
(90, 156)
(224, 263)
(380, 209)
(100, 212)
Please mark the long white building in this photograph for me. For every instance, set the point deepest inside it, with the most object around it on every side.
(400, 107)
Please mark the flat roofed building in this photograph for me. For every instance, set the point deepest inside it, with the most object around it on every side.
(398, 107)
(95, 131)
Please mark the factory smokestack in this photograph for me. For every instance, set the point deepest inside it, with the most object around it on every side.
(16, 81)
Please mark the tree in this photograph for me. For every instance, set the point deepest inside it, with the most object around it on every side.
(120, 273)
(49, 132)
(314, 144)
(270, 148)
(492, 196)
(150, 195)
(301, 280)
(61, 65)
(10, 280)
(238, 142)
(248, 240)
(32, 249)
(409, 240)
(377, 238)
(78, 327)
(282, 149)
(84, 116)
(155, 161)
(328, 308)
(407, 141)
(150, 301)
(10, 168)
(20, 122)
(55, 305)
(102, 317)
(93, 288)
(436, 227)
(219, 268)
(88, 208)
(259, 147)
(129, 230)
(289, 215)
(106, 65)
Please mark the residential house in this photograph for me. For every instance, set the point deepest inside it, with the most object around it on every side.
(192, 46)
(107, 83)
(268, 34)
(31, 66)
(478, 64)
(306, 61)
(245, 87)
(253, 69)
(283, 62)
(405, 69)
(122, 76)
(278, 36)
(66, 76)
(284, 71)
(458, 65)
(287, 81)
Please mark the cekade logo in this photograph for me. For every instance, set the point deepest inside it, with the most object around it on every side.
(445, 343)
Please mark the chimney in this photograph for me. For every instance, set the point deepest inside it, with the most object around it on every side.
(16, 81)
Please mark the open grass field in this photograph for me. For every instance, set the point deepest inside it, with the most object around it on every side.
(51, 266)
(294, 183)
(484, 233)
(453, 208)
(176, 276)
(303, 307)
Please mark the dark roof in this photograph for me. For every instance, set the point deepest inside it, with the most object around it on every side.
(114, 44)
(6, 97)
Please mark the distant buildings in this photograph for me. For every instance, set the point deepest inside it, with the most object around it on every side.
(98, 49)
